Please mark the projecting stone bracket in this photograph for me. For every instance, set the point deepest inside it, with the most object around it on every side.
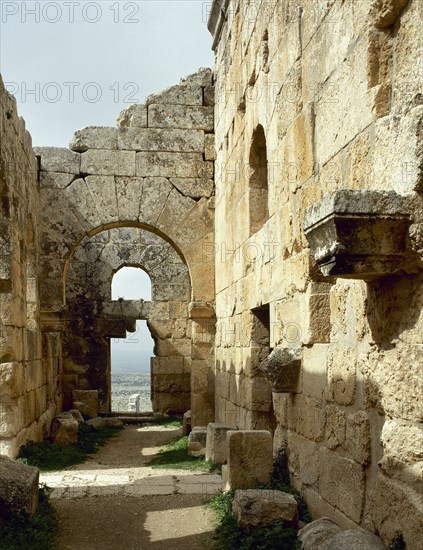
(359, 234)
(52, 320)
(201, 309)
(282, 369)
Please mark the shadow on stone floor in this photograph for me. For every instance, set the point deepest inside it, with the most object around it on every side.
(159, 522)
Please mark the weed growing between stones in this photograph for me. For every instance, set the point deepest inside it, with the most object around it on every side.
(49, 456)
(228, 536)
(280, 482)
(19, 532)
(175, 455)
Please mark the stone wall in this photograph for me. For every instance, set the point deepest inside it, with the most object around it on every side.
(30, 359)
(92, 318)
(314, 97)
(153, 172)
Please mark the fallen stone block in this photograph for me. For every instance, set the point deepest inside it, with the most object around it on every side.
(64, 429)
(199, 435)
(18, 487)
(317, 533)
(256, 508)
(197, 441)
(86, 402)
(217, 446)
(355, 538)
(324, 534)
(196, 449)
(76, 415)
(250, 458)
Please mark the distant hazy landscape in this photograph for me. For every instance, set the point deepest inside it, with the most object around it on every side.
(125, 385)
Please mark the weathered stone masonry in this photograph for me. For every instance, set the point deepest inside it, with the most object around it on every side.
(315, 97)
(141, 194)
(30, 359)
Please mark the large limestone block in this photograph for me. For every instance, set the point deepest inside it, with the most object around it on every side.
(178, 165)
(64, 429)
(395, 506)
(342, 483)
(203, 77)
(76, 415)
(180, 116)
(58, 159)
(210, 150)
(194, 187)
(355, 538)
(103, 192)
(199, 435)
(217, 446)
(108, 163)
(250, 458)
(258, 508)
(402, 444)
(135, 116)
(316, 534)
(197, 441)
(324, 534)
(182, 94)
(157, 139)
(86, 401)
(94, 137)
(18, 487)
(129, 193)
(55, 180)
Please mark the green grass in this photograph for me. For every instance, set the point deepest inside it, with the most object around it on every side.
(228, 536)
(175, 455)
(49, 456)
(19, 532)
(166, 421)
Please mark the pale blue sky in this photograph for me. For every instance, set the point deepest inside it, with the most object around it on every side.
(132, 354)
(79, 63)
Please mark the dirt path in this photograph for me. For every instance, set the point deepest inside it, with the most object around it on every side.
(115, 502)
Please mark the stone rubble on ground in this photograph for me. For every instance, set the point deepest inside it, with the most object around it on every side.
(18, 487)
(256, 508)
(64, 429)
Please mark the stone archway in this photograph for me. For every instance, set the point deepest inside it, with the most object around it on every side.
(153, 172)
(92, 317)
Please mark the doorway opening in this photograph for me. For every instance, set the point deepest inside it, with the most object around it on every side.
(130, 356)
(260, 336)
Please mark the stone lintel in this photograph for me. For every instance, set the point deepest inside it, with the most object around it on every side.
(52, 320)
(201, 310)
(358, 234)
(138, 309)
